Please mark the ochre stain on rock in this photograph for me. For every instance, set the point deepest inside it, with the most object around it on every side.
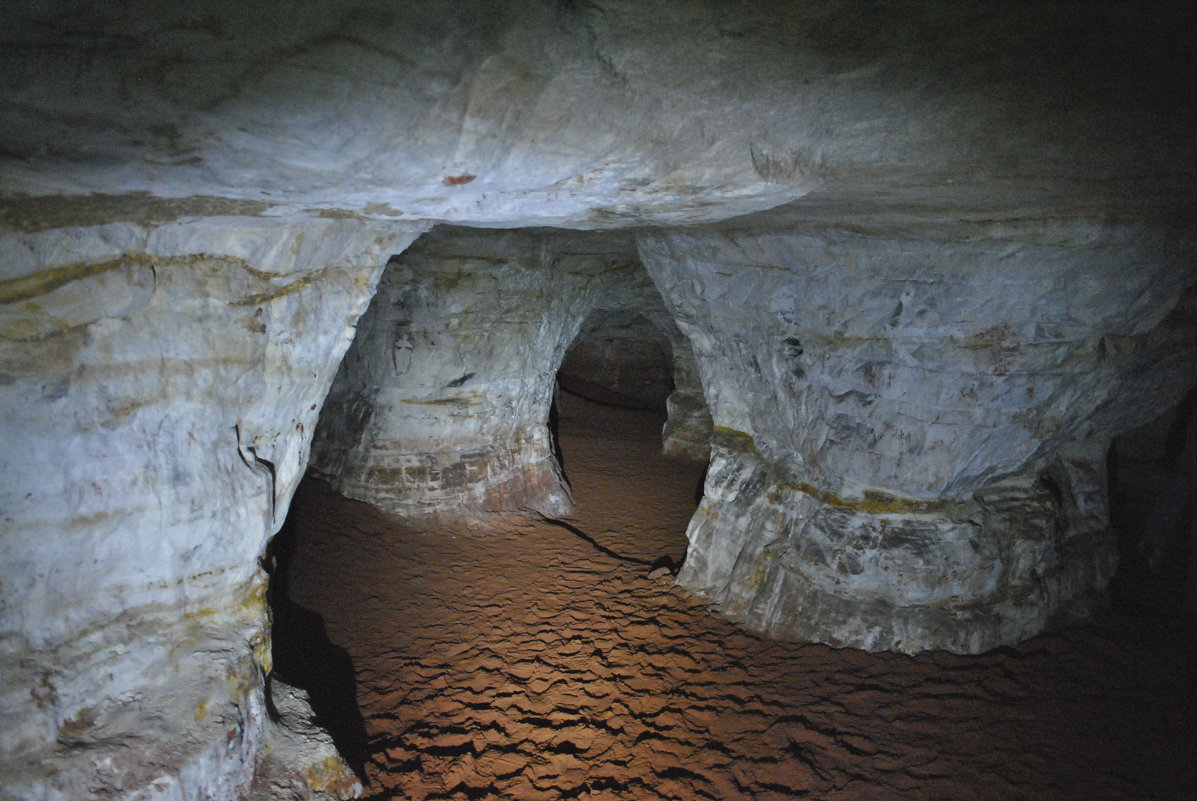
(46, 281)
(876, 502)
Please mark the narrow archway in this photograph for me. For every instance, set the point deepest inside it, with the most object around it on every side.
(611, 413)
(619, 358)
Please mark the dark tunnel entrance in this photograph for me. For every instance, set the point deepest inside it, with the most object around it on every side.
(621, 359)
(618, 359)
(609, 423)
(1153, 511)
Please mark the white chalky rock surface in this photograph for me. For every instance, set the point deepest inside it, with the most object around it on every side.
(592, 114)
(161, 388)
(910, 433)
(441, 406)
(975, 231)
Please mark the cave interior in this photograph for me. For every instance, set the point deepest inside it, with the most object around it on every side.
(549, 399)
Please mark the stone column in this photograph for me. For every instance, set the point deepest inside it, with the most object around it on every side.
(910, 427)
(687, 432)
(441, 407)
(160, 385)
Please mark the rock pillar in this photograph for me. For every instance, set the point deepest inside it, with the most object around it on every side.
(160, 385)
(910, 428)
(441, 406)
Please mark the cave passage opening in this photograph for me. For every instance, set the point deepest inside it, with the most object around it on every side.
(1152, 488)
(610, 426)
(474, 340)
(620, 360)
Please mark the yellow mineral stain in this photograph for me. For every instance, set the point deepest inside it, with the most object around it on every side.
(40, 213)
(874, 502)
(383, 209)
(465, 399)
(47, 280)
(329, 775)
(265, 297)
(44, 282)
(263, 656)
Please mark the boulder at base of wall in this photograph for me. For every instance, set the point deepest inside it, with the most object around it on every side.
(298, 760)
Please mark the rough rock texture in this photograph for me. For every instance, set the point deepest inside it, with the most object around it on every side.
(593, 114)
(911, 431)
(298, 760)
(161, 385)
(168, 169)
(442, 405)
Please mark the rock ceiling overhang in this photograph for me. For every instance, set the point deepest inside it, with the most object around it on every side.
(594, 115)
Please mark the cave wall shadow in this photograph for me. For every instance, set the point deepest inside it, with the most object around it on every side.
(305, 657)
(1152, 474)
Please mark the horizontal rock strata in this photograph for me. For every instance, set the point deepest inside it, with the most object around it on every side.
(910, 454)
(161, 385)
(955, 271)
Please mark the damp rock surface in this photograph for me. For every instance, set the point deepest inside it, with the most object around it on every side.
(522, 661)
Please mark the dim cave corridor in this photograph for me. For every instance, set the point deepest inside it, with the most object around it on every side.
(522, 661)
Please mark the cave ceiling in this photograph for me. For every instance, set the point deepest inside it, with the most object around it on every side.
(594, 115)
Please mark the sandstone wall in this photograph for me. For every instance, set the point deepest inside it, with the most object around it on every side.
(441, 406)
(970, 284)
(910, 430)
(161, 385)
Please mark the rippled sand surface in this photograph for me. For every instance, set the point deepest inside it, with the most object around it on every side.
(535, 659)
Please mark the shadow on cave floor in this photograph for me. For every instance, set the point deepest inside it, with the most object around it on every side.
(305, 657)
(519, 661)
(630, 499)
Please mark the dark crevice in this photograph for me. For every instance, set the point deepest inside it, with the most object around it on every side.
(1152, 483)
(305, 657)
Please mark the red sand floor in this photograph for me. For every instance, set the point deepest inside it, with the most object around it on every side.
(520, 661)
